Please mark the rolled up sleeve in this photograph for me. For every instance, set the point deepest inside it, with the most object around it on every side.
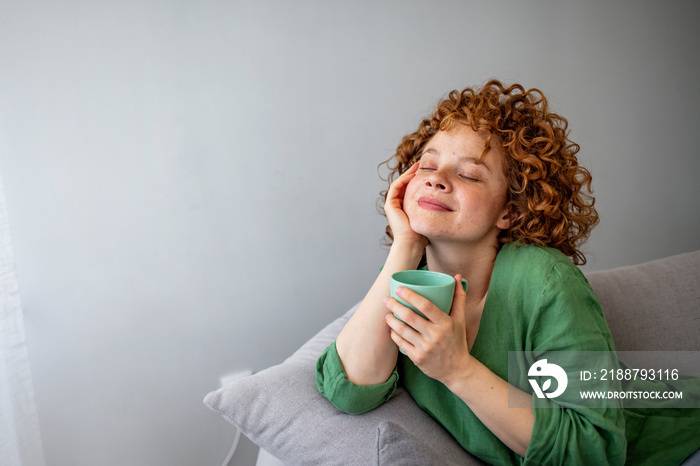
(333, 383)
(565, 436)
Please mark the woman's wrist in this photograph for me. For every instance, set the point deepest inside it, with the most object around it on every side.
(469, 370)
(409, 251)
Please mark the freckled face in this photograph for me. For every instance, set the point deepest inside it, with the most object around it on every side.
(454, 198)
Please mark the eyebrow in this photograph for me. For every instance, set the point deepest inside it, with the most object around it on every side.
(473, 160)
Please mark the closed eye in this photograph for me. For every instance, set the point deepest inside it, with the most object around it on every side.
(468, 178)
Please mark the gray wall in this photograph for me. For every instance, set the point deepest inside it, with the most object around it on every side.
(191, 185)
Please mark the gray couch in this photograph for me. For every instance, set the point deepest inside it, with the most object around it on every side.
(652, 306)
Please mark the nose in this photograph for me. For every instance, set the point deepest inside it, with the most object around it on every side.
(438, 181)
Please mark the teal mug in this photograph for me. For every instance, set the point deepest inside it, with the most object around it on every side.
(436, 287)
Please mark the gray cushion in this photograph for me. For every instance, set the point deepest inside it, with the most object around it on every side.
(692, 460)
(653, 306)
(398, 447)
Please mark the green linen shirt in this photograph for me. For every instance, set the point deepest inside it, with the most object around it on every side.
(537, 301)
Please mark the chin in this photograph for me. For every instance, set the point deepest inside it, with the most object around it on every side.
(433, 227)
(430, 231)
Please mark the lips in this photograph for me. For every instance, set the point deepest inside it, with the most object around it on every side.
(429, 203)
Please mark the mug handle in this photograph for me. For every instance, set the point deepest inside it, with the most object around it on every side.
(464, 285)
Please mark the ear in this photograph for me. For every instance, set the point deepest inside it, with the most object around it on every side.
(507, 220)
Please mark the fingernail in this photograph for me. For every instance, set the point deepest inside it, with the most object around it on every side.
(386, 299)
(399, 290)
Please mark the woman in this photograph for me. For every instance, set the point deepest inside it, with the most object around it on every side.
(490, 190)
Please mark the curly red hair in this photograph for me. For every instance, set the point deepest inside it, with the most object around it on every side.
(549, 194)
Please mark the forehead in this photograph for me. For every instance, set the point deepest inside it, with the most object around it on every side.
(463, 142)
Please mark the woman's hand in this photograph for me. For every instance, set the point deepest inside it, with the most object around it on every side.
(393, 207)
(437, 344)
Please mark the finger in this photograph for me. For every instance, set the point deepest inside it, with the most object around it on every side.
(404, 345)
(403, 329)
(457, 311)
(402, 181)
(403, 336)
(431, 312)
(405, 314)
(411, 170)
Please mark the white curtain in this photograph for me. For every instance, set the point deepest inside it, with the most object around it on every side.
(20, 441)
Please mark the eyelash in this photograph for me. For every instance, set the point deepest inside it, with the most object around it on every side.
(463, 177)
